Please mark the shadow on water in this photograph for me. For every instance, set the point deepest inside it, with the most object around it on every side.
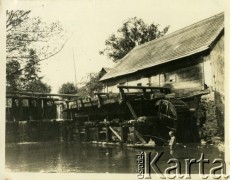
(86, 158)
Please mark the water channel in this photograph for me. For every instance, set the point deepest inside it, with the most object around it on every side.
(66, 157)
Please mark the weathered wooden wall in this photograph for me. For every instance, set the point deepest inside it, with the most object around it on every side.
(183, 78)
(184, 81)
(133, 80)
(214, 67)
(215, 75)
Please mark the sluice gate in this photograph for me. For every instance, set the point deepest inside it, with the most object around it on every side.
(136, 115)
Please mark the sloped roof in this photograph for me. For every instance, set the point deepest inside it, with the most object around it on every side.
(190, 40)
(106, 69)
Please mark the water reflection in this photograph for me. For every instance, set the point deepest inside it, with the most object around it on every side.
(74, 157)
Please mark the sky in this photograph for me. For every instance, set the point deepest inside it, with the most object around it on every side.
(92, 21)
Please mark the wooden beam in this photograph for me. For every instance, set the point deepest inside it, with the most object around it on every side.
(131, 109)
(140, 137)
(114, 132)
(39, 94)
(142, 87)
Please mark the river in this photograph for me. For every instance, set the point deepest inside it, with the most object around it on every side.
(73, 157)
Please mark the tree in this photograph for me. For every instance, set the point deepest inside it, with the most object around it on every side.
(29, 79)
(38, 86)
(132, 33)
(68, 88)
(91, 85)
(29, 41)
(24, 33)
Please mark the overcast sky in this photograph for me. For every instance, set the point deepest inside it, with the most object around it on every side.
(92, 21)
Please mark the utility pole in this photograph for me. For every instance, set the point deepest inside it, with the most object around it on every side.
(75, 75)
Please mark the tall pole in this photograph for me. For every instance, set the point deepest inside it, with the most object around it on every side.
(75, 75)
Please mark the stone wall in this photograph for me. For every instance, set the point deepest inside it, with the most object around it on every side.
(213, 103)
(209, 115)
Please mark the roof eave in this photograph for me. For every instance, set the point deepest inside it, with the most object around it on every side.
(199, 50)
(204, 48)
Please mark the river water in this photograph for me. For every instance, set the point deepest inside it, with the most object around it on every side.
(72, 157)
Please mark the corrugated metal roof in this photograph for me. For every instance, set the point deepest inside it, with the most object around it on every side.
(182, 43)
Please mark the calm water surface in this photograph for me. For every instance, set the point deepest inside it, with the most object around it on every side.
(85, 158)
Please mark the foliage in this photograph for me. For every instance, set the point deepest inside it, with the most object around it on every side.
(13, 81)
(68, 88)
(38, 86)
(91, 85)
(29, 41)
(133, 32)
(15, 37)
(210, 119)
(82, 91)
(27, 80)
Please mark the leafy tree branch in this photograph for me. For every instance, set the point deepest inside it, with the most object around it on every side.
(132, 33)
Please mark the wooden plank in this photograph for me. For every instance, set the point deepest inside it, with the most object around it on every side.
(40, 94)
(142, 87)
(115, 133)
(131, 109)
(140, 137)
(108, 134)
(186, 78)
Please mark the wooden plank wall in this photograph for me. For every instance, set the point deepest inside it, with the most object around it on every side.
(183, 81)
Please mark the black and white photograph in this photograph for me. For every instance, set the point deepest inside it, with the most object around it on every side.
(98, 89)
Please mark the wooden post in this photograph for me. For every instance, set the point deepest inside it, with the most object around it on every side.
(144, 94)
(122, 94)
(97, 133)
(82, 103)
(134, 134)
(91, 103)
(61, 131)
(74, 131)
(108, 134)
(86, 133)
(100, 102)
(123, 134)
(79, 133)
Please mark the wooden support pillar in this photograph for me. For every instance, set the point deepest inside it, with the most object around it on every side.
(97, 133)
(74, 131)
(144, 94)
(108, 134)
(61, 126)
(71, 131)
(122, 94)
(91, 103)
(124, 133)
(134, 134)
(86, 134)
(100, 102)
(79, 134)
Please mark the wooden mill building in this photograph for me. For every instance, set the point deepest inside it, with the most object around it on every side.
(190, 61)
